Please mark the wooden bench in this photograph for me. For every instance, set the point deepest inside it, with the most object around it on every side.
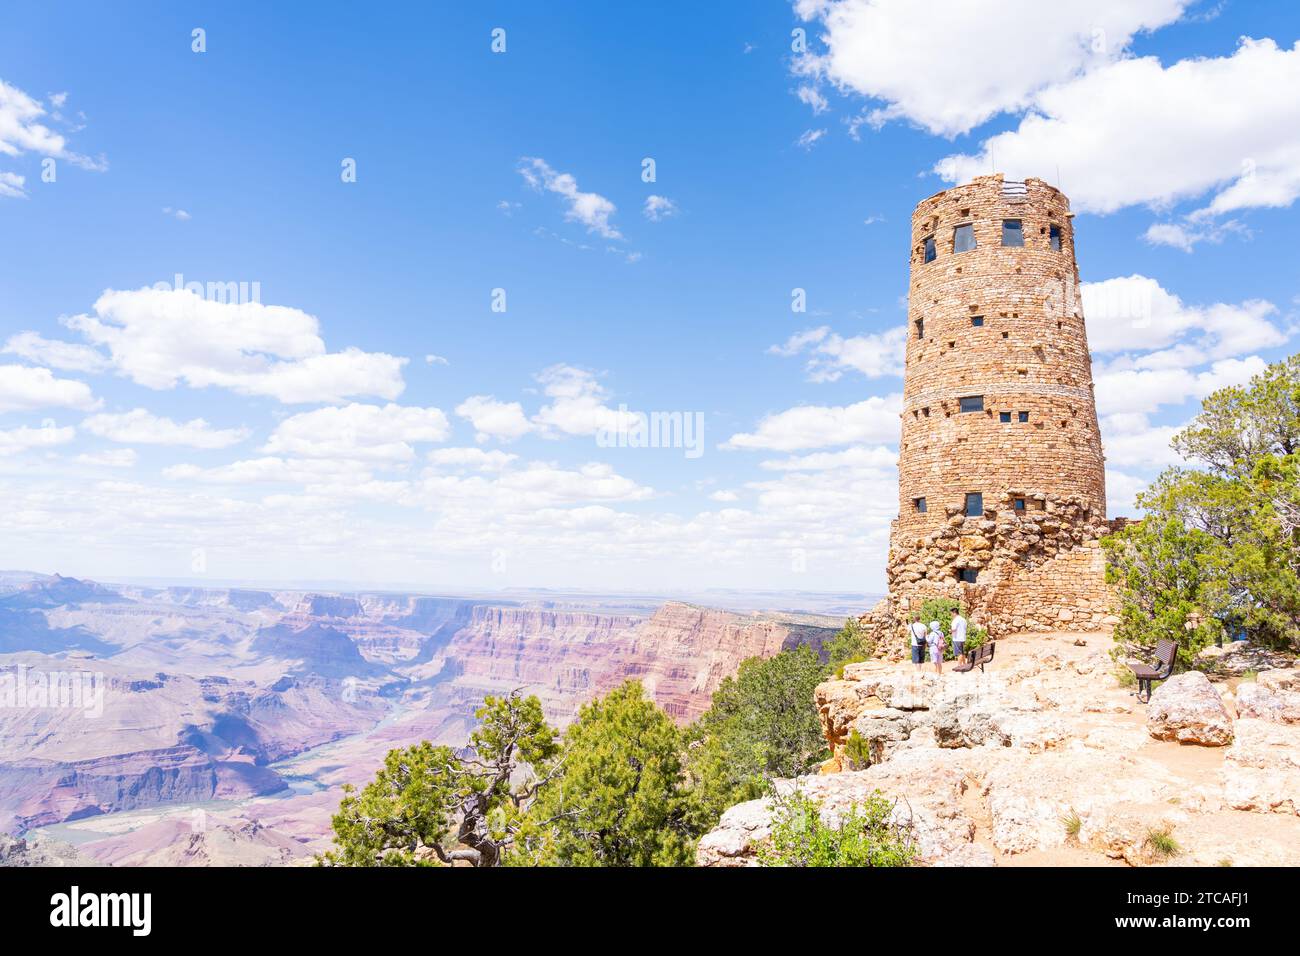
(977, 658)
(1166, 654)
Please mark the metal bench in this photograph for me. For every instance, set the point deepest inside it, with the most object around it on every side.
(1166, 654)
(977, 658)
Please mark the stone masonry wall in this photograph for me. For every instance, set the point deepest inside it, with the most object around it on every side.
(1001, 326)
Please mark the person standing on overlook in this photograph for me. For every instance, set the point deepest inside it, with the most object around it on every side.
(958, 632)
(936, 642)
(918, 632)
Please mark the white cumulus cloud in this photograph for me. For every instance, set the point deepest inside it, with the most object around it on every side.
(162, 337)
(356, 431)
(949, 65)
(141, 427)
(23, 388)
(873, 420)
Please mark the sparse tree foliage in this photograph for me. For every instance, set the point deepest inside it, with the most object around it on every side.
(427, 805)
(763, 724)
(1222, 541)
(852, 644)
(621, 798)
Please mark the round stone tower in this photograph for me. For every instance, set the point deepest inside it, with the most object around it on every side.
(1001, 471)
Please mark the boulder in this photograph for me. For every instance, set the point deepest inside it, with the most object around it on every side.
(1188, 709)
(1262, 769)
(1267, 703)
(1280, 679)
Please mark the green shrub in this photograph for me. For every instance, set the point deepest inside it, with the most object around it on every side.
(1161, 843)
(850, 646)
(864, 836)
(1072, 822)
(857, 752)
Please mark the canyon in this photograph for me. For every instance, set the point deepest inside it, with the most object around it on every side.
(230, 718)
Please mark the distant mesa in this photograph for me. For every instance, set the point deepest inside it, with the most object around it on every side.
(329, 605)
(58, 591)
(245, 600)
(319, 649)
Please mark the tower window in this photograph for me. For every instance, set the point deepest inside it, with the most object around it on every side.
(977, 321)
(1024, 416)
(969, 575)
(1012, 233)
(1004, 418)
(920, 328)
(974, 504)
(1018, 504)
(963, 238)
(1054, 237)
(972, 403)
(920, 504)
(929, 253)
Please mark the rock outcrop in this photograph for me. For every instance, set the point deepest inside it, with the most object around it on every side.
(1046, 755)
(1188, 709)
(15, 852)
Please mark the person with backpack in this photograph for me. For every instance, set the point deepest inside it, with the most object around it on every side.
(936, 642)
(918, 632)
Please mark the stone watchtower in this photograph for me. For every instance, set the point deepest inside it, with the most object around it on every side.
(1002, 489)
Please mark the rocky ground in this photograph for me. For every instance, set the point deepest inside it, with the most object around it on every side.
(1046, 759)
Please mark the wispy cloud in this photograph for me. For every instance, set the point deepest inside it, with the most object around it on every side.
(590, 209)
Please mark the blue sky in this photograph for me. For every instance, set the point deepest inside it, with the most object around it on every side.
(309, 437)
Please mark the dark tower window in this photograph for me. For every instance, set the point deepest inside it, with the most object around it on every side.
(974, 504)
(1012, 233)
(920, 328)
(1024, 416)
(977, 321)
(972, 403)
(963, 238)
(969, 575)
(920, 504)
(1054, 237)
(929, 249)
(1004, 418)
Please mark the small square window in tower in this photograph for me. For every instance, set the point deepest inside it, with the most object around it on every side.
(974, 504)
(969, 575)
(920, 328)
(977, 321)
(971, 403)
(929, 249)
(1004, 418)
(1023, 416)
(1054, 236)
(963, 238)
(920, 504)
(1018, 504)
(1012, 233)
